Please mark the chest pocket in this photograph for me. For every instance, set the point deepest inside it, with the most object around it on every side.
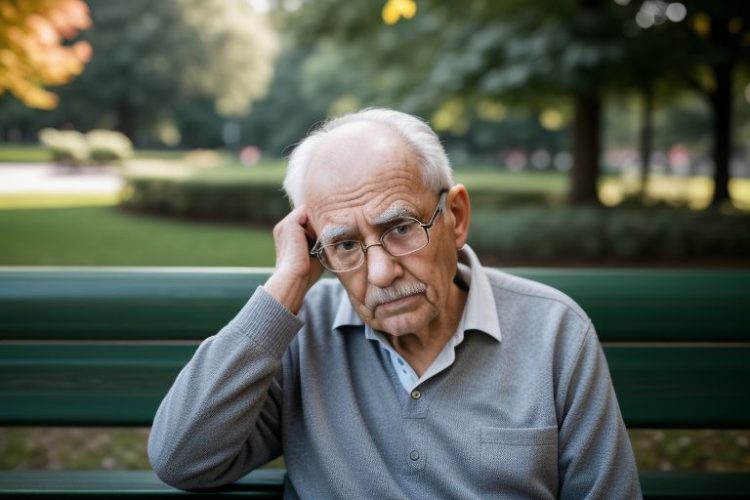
(519, 462)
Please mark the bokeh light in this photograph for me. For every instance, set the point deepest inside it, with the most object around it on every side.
(676, 12)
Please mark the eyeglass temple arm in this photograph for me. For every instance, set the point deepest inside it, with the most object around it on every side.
(439, 208)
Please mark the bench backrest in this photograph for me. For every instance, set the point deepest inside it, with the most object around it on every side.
(102, 346)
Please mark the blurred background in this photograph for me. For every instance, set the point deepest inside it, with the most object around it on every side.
(589, 133)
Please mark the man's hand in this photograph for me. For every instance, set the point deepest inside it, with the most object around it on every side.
(296, 270)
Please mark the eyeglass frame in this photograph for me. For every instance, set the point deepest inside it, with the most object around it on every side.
(317, 249)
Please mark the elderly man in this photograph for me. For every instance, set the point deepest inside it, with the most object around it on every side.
(417, 373)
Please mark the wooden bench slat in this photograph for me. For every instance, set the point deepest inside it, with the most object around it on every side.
(120, 304)
(693, 386)
(625, 304)
(268, 483)
(86, 384)
(682, 386)
(261, 483)
(676, 485)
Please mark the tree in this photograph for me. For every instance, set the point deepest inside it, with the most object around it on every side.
(287, 113)
(153, 57)
(651, 69)
(515, 52)
(32, 53)
(713, 48)
(723, 29)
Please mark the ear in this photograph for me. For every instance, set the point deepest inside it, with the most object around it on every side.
(458, 205)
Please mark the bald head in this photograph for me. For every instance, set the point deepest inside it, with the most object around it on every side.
(348, 155)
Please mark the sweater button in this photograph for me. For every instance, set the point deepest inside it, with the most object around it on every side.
(416, 394)
(414, 455)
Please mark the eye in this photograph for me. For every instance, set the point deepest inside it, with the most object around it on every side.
(402, 229)
(345, 246)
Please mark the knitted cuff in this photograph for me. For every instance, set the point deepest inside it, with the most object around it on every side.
(266, 322)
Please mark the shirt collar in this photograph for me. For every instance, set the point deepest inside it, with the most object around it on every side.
(345, 314)
(480, 311)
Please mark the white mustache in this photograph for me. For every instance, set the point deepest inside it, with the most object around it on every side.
(380, 296)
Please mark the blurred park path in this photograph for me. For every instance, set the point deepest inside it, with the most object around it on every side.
(49, 178)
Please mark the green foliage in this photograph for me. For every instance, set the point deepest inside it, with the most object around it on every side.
(624, 234)
(196, 197)
(522, 52)
(287, 113)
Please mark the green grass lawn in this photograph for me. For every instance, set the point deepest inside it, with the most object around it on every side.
(105, 236)
(35, 153)
(505, 180)
(23, 154)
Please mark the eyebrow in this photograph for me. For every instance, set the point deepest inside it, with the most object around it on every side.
(333, 233)
(392, 214)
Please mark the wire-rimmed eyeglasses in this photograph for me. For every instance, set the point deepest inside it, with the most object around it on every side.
(408, 236)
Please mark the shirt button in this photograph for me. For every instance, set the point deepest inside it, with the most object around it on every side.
(416, 394)
(414, 455)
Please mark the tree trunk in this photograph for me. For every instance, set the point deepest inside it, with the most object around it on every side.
(646, 136)
(721, 105)
(584, 177)
(126, 119)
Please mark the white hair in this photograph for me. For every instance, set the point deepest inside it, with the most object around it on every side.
(434, 163)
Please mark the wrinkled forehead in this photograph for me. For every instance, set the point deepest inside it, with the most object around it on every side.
(344, 223)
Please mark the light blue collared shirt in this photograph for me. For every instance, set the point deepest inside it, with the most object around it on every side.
(479, 314)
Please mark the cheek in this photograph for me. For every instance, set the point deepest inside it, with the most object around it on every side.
(433, 295)
(356, 288)
(437, 273)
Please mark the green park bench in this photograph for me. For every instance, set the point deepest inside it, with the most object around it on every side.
(100, 347)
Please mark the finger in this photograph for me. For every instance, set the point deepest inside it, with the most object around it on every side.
(304, 221)
(299, 215)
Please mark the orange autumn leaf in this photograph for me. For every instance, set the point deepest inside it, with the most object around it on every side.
(33, 52)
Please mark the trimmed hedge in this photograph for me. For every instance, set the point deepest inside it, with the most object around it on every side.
(260, 203)
(620, 234)
(70, 147)
(255, 196)
(506, 227)
(107, 146)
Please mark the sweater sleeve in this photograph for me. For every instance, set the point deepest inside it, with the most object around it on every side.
(596, 458)
(221, 417)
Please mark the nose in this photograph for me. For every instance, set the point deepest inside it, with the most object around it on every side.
(382, 267)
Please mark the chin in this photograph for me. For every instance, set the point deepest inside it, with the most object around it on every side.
(405, 318)
(402, 324)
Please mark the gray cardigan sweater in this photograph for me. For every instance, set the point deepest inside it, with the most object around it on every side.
(533, 415)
